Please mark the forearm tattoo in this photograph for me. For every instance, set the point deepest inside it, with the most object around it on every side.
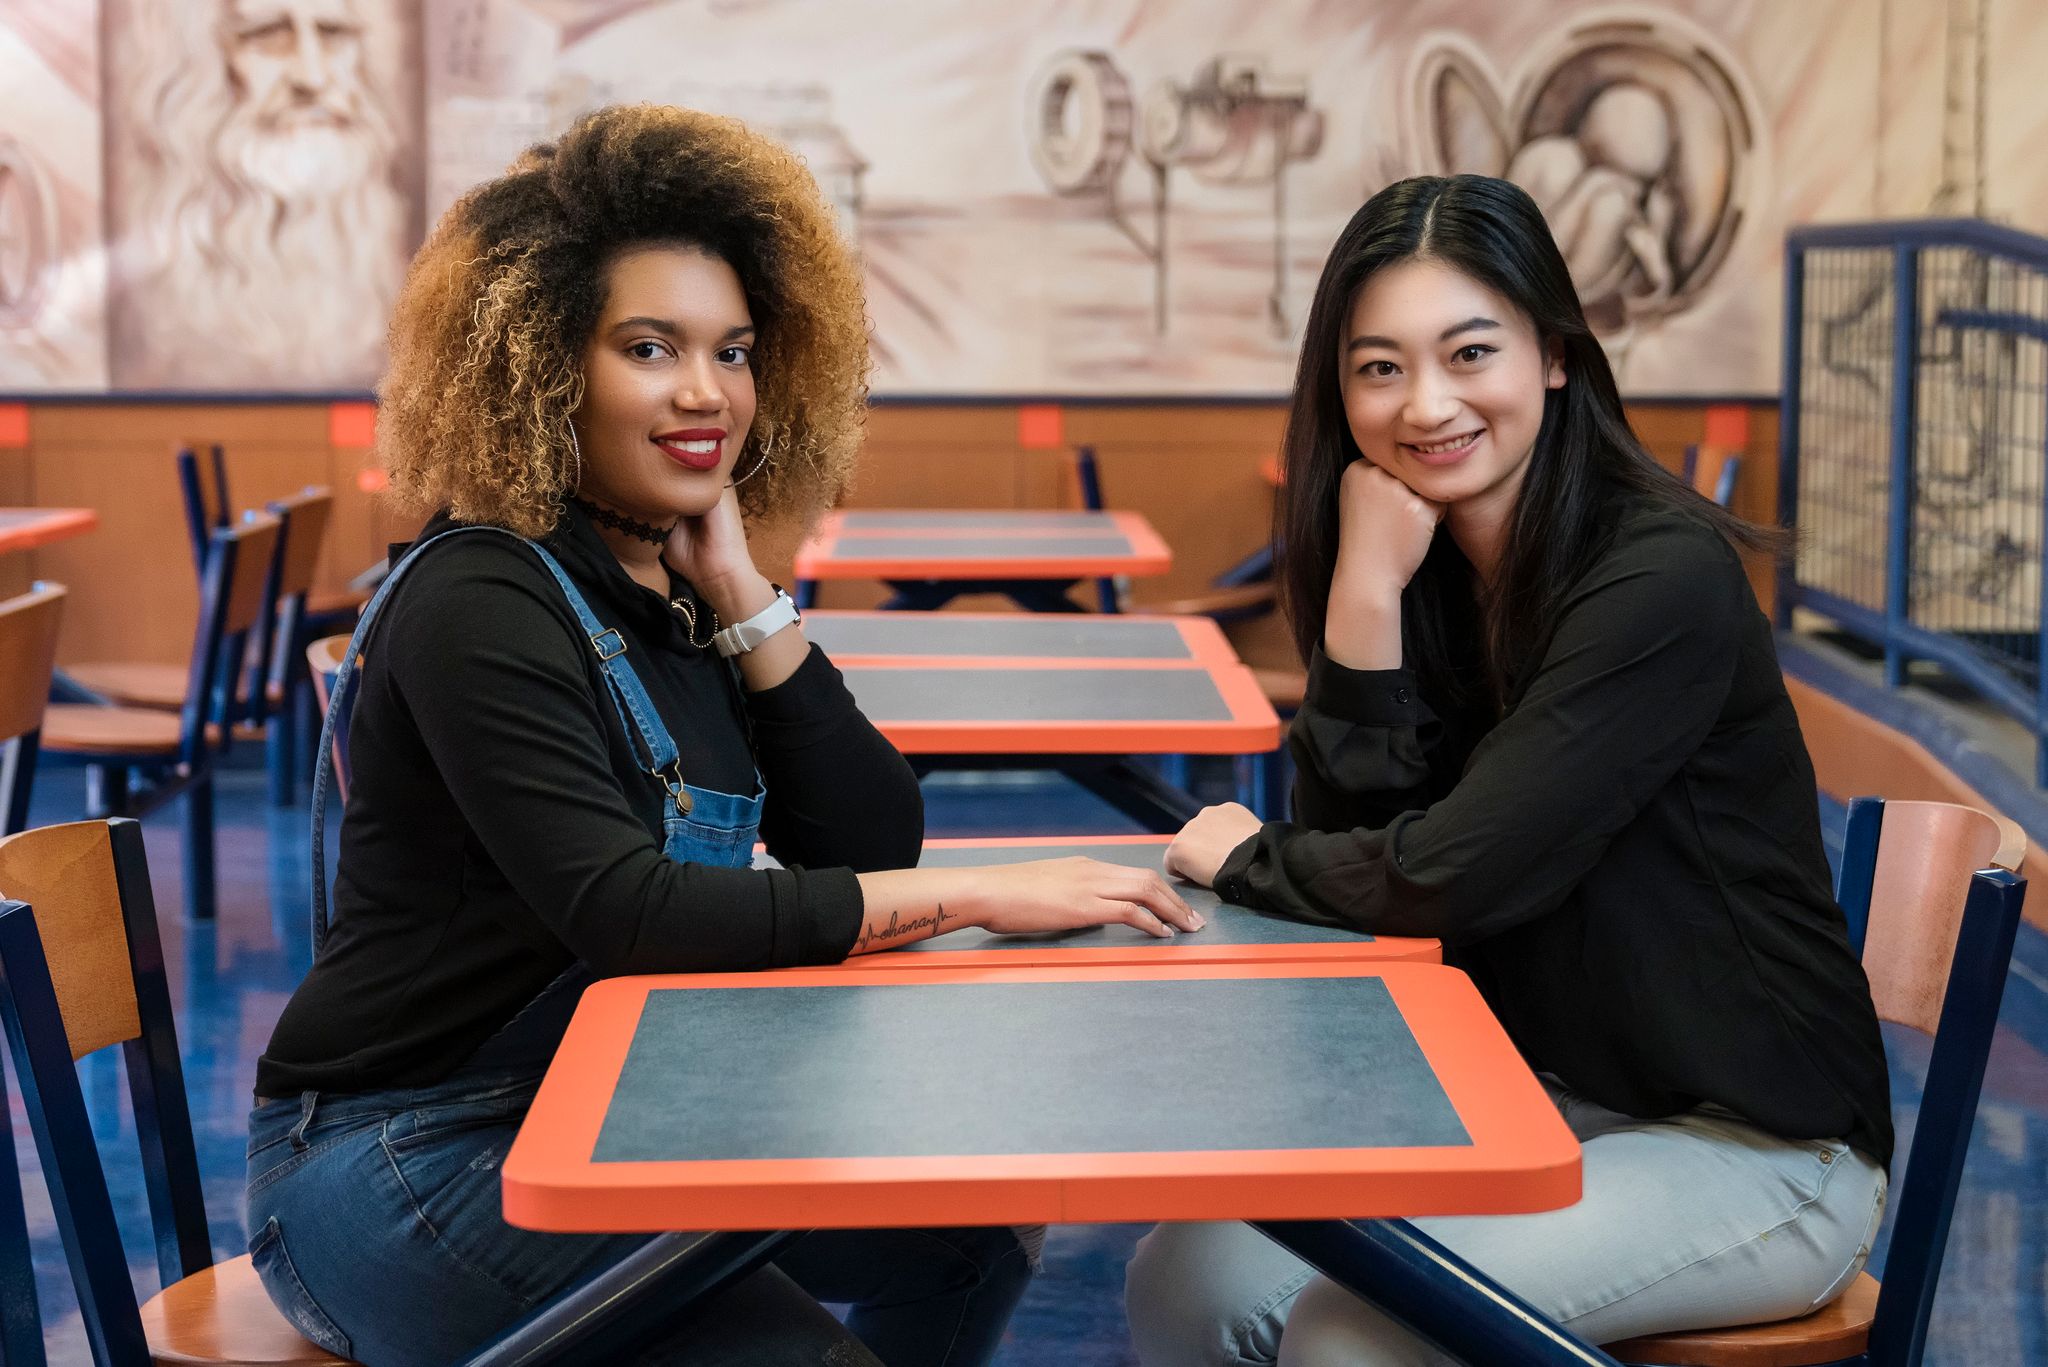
(934, 923)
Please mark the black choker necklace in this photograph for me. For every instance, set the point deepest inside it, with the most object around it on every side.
(619, 522)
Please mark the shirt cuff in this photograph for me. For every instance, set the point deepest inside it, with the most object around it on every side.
(1364, 697)
(1232, 881)
(818, 916)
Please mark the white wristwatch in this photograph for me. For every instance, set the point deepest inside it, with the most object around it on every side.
(741, 637)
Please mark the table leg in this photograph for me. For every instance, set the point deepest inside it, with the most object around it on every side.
(1049, 595)
(608, 1316)
(920, 595)
(1415, 1280)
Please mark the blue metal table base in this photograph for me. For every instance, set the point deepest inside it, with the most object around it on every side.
(615, 1312)
(1413, 1279)
(1134, 789)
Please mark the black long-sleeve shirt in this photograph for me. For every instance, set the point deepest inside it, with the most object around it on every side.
(498, 826)
(1628, 863)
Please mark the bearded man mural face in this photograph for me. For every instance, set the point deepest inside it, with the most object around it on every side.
(261, 233)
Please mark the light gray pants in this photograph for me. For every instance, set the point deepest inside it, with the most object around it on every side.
(1687, 1223)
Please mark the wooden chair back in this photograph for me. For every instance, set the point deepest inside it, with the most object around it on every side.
(28, 643)
(82, 968)
(1919, 886)
(274, 661)
(305, 515)
(232, 588)
(67, 872)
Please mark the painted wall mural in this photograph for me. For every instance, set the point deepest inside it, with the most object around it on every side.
(1057, 196)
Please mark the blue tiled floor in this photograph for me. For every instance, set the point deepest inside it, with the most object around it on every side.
(230, 979)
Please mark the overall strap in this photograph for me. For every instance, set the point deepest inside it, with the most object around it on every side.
(628, 694)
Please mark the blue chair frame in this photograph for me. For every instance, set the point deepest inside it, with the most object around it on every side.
(1924, 1200)
(210, 697)
(45, 1073)
(200, 520)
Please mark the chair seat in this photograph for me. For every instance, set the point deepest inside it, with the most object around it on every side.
(84, 729)
(1284, 688)
(135, 684)
(221, 1315)
(1839, 1329)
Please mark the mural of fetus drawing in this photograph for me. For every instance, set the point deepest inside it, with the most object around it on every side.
(260, 221)
(1634, 136)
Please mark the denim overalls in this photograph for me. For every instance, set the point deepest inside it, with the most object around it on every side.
(350, 1148)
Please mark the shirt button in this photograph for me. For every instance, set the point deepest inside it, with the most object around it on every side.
(1401, 695)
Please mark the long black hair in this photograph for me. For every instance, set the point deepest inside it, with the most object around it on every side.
(1454, 637)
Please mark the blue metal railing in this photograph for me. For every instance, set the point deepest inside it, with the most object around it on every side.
(1913, 449)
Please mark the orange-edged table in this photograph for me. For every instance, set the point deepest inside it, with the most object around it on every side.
(1297, 1096)
(1084, 719)
(1233, 934)
(23, 529)
(1008, 637)
(931, 556)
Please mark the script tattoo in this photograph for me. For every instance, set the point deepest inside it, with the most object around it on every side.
(934, 923)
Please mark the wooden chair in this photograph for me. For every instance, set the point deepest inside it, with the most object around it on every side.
(323, 661)
(28, 643)
(1933, 898)
(204, 486)
(81, 969)
(174, 752)
(280, 652)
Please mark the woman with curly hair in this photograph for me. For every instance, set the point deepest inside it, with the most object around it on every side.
(580, 703)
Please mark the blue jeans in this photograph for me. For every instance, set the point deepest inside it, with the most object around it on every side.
(1690, 1222)
(375, 1224)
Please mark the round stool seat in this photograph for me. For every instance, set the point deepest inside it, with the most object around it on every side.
(222, 1315)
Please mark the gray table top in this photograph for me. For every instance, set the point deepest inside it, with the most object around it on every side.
(1035, 635)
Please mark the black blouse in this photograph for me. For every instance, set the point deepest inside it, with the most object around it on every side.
(498, 827)
(1628, 863)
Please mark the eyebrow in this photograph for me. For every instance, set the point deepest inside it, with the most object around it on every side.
(1474, 324)
(669, 329)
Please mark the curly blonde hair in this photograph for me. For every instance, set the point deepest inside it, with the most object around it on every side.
(487, 339)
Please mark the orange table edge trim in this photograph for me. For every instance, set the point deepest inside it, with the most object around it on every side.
(1521, 1158)
(819, 558)
(56, 525)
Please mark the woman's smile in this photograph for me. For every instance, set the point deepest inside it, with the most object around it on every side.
(697, 448)
(1449, 451)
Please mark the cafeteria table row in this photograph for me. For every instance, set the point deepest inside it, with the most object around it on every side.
(1081, 695)
(1317, 1083)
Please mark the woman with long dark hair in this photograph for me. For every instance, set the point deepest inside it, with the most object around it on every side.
(1545, 724)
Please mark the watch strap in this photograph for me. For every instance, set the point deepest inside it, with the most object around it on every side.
(741, 637)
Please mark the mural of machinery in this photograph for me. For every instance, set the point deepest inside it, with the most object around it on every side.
(1232, 125)
(1631, 129)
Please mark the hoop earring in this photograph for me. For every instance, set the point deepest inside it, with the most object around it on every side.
(576, 450)
(758, 463)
